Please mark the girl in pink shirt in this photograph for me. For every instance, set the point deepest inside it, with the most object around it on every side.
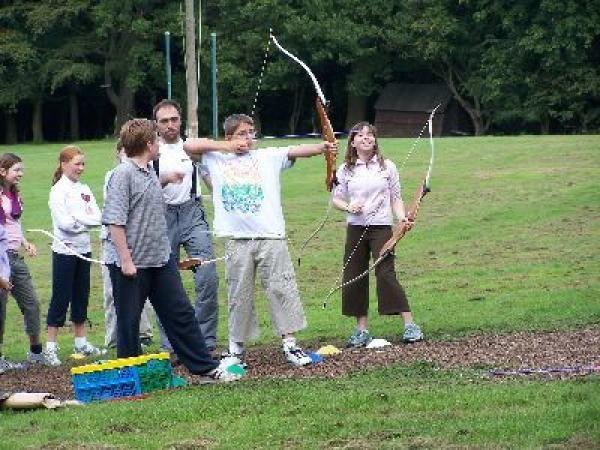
(11, 208)
(369, 191)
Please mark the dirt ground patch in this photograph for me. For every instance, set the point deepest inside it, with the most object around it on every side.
(561, 354)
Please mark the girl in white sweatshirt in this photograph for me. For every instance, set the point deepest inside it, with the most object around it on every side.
(74, 210)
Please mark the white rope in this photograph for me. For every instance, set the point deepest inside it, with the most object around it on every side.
(98, 261)
(260, 78)
(66, 247)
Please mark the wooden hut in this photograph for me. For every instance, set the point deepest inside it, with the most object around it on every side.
(403, 109)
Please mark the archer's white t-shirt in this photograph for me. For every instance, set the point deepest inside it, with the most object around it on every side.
(247, 192)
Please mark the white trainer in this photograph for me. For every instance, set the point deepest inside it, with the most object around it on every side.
(296, 356)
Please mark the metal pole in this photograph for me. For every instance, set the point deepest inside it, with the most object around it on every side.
(213, 54)
(168, 61)
(199, 38)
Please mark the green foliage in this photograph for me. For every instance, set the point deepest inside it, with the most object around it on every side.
(513, 66)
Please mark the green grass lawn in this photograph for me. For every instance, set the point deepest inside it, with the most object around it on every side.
(508, 240)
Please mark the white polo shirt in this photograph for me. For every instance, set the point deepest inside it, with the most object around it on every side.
(173, 158)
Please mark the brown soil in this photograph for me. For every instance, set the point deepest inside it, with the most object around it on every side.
(560, 354)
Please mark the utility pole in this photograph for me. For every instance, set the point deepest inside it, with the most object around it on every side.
(213, 58)
(168, 62)
(190, 70)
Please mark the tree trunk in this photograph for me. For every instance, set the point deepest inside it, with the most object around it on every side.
(11, 127)
(36, 121)
(190, 70)
(296, 109)
(545, 124)
(122, 96)
(122, 101)
(74, 115)
(480, 126)
(357, 110)
(124, 107)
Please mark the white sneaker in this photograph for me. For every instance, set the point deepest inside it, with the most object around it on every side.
(90, 350)
(296, 356)
(51, 357)
(229, 359)
(221, 374)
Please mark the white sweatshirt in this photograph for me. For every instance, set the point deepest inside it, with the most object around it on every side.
(73, 209)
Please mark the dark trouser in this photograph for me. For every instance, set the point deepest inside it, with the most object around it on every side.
(162, 285)
(355, 297)
(70, 285)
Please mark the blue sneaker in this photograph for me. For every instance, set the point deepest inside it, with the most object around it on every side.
(360, 338)
(412, 333)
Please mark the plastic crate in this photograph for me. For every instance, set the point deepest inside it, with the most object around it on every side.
(123, 377)
(108, 380)
(156, 373)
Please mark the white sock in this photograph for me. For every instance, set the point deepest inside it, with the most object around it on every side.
(80, 342)
(289, 342)
(236, 348)
(51, 346)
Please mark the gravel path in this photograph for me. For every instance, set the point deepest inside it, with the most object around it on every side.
(568, 353)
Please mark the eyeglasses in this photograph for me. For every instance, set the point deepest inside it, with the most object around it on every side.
(243, 134)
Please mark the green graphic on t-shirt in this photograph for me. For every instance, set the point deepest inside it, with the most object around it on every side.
(245, 198)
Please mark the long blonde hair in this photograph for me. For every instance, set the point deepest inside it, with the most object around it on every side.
(66, 154)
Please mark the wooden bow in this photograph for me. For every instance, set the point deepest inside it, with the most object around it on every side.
(403, 227)
(321, 104)
(329, 136)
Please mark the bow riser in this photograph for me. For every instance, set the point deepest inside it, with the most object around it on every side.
(402, 228)
(329, 136)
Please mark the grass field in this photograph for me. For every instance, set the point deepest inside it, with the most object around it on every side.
(508, 240)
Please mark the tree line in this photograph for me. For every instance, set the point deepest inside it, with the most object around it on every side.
(77, 69)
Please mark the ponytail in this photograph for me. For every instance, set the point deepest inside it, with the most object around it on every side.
(66, 155)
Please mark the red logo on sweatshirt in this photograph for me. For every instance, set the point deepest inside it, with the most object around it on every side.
(85, 197)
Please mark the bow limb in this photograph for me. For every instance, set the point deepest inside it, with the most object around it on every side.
(304, 66)
(321, 102)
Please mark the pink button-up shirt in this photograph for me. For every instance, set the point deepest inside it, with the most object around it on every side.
(375, 188)
(14, 233)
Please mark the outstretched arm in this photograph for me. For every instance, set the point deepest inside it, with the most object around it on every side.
(308, 150)
(195, 147)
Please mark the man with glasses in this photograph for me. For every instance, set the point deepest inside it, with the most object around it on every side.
(187, 224)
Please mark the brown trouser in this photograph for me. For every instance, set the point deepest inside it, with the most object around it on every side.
(391, 297)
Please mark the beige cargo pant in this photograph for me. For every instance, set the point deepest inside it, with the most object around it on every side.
(271, 259)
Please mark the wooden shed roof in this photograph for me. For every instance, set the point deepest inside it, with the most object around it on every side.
(413, 97)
